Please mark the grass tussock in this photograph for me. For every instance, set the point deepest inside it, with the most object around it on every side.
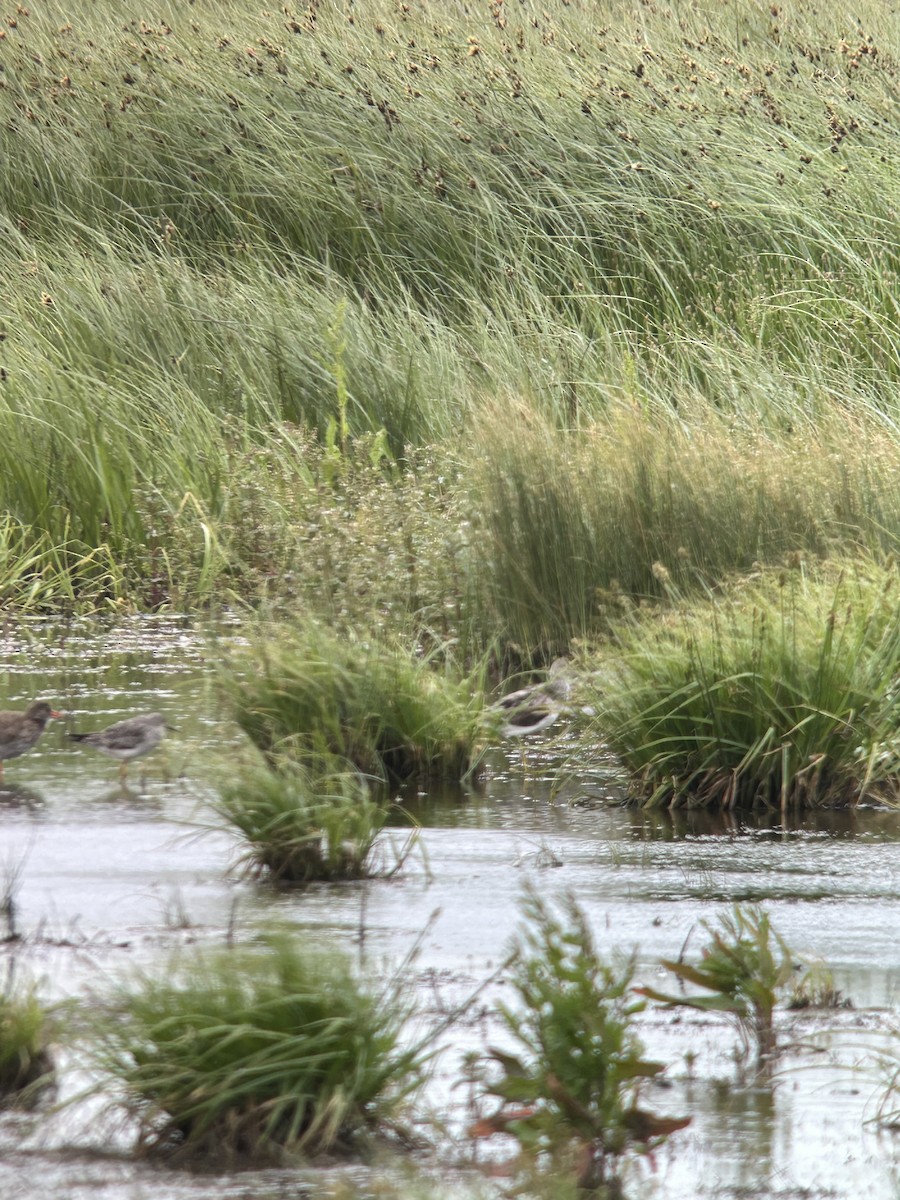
(781, 693)
(392, 716)
(301, 825)
(256, 1054)
(26, 1066)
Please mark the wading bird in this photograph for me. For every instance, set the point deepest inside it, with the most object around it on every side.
(20, 730)
(532, 709)
(128, 739)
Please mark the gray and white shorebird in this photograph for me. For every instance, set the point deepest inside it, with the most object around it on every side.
(535, 708)
(132, 738)
(20, 730)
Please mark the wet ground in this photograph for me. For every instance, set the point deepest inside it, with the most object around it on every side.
(103, 877)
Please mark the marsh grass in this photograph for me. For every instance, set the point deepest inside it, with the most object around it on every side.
(693, 220)
(256, 1054)
(887, 1063)
(305, 823)
(572, 1087)
(780, 693)
(26, 1066)
(393, 716)
(37, 573)
(573, 527)
(815, 988)
(378, 545)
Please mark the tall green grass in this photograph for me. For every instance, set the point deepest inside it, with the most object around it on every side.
(26, 1065)
(548, 131)
(304, 692)
(572, 528)
(255, 1054)
(779, 694)
(220, 225)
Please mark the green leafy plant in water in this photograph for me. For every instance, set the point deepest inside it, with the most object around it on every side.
(742, 971)
(306, 823)
(257, 1053)
(572, 1089)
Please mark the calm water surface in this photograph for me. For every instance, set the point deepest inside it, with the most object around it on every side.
(104, 878)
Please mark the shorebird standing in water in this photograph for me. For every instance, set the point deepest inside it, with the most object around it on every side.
(533, 709)
(20, 730)
(128, 739)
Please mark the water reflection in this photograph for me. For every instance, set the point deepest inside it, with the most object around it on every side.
(739, 1126)
(678, 824)
(124, 795)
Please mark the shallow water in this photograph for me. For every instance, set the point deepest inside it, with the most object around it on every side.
(104, 877)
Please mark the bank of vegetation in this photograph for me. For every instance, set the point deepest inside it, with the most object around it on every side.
(469, 325)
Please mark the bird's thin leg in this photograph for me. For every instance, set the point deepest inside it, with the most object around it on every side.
(123, 771)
